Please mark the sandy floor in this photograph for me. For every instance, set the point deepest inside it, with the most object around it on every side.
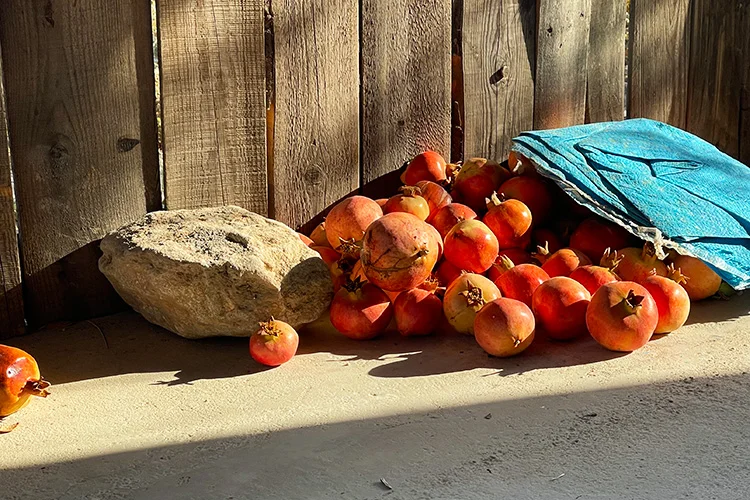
(149, 415)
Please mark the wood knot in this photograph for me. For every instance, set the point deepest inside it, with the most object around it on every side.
(314, 175)
(125, 144)
(498, 76)
(58, 151)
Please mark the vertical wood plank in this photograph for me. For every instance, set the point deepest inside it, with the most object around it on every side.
(744, 30)
(605, 95)
(562, 58)
(659, 51)
(406, 82)
(75, 129)
(499, 58)
(213, 99)
(316, 127)
(715, 78)
(11, 296)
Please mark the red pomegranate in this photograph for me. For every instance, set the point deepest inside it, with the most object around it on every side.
(504, 327)
(593, 277)
(319, 236)
(564, 261)
(447, 272)
(559, 305)
(417, 312)
(328, 254)
(360, 311)
(635, 264)
(410, 200)
(519, 164)
(622, 316)
(519, 282)
(304, 239)
(450, 215)
(471, 245)
(533, 192)
(594, 235)
(437, 197)
(672, 301)
(465, 297)
(477, 180)
(510, 221)
(399, 252)
(19, 380)
(702, 281)
(427, 166)
(274, 343)
(350, 218)
(515, 255)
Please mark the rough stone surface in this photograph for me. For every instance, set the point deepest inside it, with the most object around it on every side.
(215, 271)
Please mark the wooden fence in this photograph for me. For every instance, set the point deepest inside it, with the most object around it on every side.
(285, 106)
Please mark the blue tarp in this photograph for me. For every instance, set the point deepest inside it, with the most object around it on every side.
(661, 183)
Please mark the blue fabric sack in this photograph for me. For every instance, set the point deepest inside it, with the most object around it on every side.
(661, 183)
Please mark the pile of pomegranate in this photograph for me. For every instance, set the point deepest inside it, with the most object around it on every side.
(500, 253)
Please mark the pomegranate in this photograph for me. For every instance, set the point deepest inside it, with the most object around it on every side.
(447, 272)
(382, 201)
(519, 164)
(360, 311)
(358, 272)
(533, 192)
(477, 180)
(328, 254)
(304, 239)
(274, 343)
(594, 235)
(510, 221)
(562, 262)
(504, 327)
(547, 239)
(410, 201)
(519, 282)
(431, 284)
(465, 297)
(437, 239)
(672, 301)
(427, 166)
(622, 316)
(471, 245)
(702, 281)
(593, 277)
(350, 218)
(417, 312)
(19, 380)
(436, 196)
(341, 270)
(515, 255)
(399, 252)
(450, 215)
(635, 264)
(559, 305)
(319, 236)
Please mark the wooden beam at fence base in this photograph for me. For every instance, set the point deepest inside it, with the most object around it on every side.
(605, 94)
(659, 50)
(406, 82)
(562, 58)
(316, 127)
(75, 132)
(715, 80)
(11, 297)
(499, 60)
(213, 101)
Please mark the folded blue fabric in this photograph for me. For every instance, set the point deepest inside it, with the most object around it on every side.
(661, 183)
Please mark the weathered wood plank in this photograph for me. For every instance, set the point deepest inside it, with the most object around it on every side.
(744, 30)
(213, 101)
(75, 129)
(406, 82)
(316, 127)
(562, 58)
(605, 95)
(11, 296)
(499, 44)
(659, 52)
(715, 80)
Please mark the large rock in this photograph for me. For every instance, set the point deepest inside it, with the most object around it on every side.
(215, 271)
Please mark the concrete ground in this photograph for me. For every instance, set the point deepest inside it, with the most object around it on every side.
(149, 415)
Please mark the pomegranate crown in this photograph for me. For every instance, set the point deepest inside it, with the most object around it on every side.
(410, 191)
(675, 274)
(542, 252)
(474, 296)
(633, 302)
(494, 200)
(610, 260)
(649, 252)
(506, 262)
(352, 285)
(349, 248)
(269, 328)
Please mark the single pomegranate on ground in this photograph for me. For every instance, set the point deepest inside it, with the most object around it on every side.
(477, 180)
(622, 316)
(350, 218)
(533, 192)
(410, 201)
(635, 264)
(559, 305)
(594, 235)
(360, 311)
(450, 215)
(465, 297)
(471, 245)
(274, 343)
(564, 261)
(437, 197)
(399, 252)
(672, 301)
(702, 281)
(19, 380)
(510, 221)
(519, 282)
(504, 327)
(427, 166)
(417, 312)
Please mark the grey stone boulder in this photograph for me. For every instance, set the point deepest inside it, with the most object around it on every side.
(215, 271)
